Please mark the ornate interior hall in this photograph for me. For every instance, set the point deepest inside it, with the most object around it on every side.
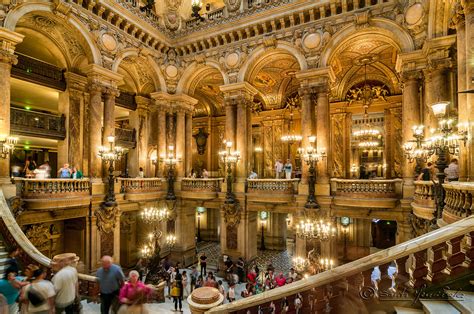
(329, 140)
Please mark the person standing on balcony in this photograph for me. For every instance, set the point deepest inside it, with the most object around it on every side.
(426, 173)
(452, 172)
(288, 169)
(64, 172)
(253, 175)
(205, 173)
(30, 166)
(141, 173)
(47, 169)
(111, 278)
(278, 168)
(76, 173)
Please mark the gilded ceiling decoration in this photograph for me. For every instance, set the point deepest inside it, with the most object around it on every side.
(205, 89)
(137, 68)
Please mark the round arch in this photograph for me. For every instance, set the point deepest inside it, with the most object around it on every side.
(383, 28)
(18, 12)
(193, 72)
(261, 52)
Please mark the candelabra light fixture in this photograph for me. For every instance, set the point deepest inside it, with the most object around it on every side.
(153, 216)
(7, 144)
(109, 155)
(311, 157)
(313, 264)
(230, 158)
(415, 150)
(315, 230)
(170, 159)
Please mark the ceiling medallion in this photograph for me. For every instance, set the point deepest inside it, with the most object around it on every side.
(109, 42)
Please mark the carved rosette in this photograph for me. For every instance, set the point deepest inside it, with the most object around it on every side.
(106, 218)
(232, 5)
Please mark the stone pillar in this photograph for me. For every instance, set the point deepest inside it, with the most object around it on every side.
(185, 225)
(109, 114)
(180, 142)
(410, 118)
(459, 23)
(189, 144)
(469, 20)
(306, 126)
(76, 86)
(436, 89)
(63, 145)
(137, 157)
(8, 40)
(322, 135)
(230, 121)
(95, 137)
(161, 140)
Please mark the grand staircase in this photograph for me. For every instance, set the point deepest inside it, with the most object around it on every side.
(3, 257)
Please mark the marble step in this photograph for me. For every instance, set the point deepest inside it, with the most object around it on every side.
(437, 307)
(406, 310)
(462, 300)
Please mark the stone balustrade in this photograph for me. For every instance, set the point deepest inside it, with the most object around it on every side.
(367, 188)
(281, 186)
(53, 188)
(197, 184)
(137, 189)
(39, 124)
(421, 263)
(424, 202)
(458, 201)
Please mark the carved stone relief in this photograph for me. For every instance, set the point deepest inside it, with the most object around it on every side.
(106, 218)
(231, 237)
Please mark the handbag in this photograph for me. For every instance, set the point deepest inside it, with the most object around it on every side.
(175, 292)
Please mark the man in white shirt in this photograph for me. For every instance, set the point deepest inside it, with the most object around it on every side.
(65, 283)
(278, 168)
(288, 169)
(253, 175)
(452, 172)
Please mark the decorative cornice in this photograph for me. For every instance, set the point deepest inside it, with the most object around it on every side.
(99, 75)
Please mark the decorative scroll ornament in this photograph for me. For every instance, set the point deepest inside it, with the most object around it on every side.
(106, 218)
(419, 226)
(201, 140)
(16, 206)
(40, 236)
(232, 5)
(231, 214)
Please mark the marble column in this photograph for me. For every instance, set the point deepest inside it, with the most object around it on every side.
(76, 87)
(180, 142)
(185, 232)
(436, 89)
(109, 114)
(459, 23)
(8, 40)
(95, 137)
(410, 118)
(242, 139)
(323, 134)
(306, 126)
(137, 157)
(230, 121)
(469, 20)
(161, 140)
(189, 144)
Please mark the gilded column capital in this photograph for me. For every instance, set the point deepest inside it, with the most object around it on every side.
(111, 91)
(143, 104)
(412, 75)
(458, 19)
(102, 76)
(316, 78)
(8, 42)
(238, 93)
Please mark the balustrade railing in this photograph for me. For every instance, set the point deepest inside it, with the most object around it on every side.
(389, 188)
(421, 263)
(205, 185)
(126, 138)
(216, 14)
(458, 202)
(126, 100)
(52, 188)
(141, 185)
(282, 186)
(40, 72)
(38, 124)
(144, 13)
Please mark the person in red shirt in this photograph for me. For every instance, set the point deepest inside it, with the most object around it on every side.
(280, 280)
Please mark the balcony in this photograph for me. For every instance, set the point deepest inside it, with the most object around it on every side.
(39, 72)
(37, 124)
(272, 190)
(458, 202)
(424, 203)
(200, 189)
(126, 138)
(363, 194)
(51, 194)
(142, 189)
(126, 100)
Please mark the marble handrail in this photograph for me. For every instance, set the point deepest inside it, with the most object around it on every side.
(272, 185)
(424, 190)
(367, 188)
(458, 202)
(13, 235)
(141, 185)
(201, 184)
(52, 188)
(451, 249)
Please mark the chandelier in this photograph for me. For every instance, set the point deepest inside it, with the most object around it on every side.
(313, 264)
(417, 149)
(151, 215)
(292, 137)
(111, 153)
(8, 145)
(319, 230)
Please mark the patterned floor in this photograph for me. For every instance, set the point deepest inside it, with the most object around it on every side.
(281, 260)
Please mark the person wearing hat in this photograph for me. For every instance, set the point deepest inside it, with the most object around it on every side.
(65, 282)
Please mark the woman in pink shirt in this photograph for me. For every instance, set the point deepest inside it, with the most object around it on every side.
(280, 280)
(133, 294)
